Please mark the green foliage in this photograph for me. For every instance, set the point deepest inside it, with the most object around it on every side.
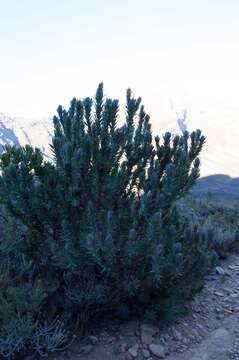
(98, 229)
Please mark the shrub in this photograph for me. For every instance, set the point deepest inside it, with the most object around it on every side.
(216, 223)
(98, 229)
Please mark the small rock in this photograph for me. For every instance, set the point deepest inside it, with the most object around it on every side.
(146, 353)
(147, 333)
(233, 267)
(201, 327)
(93, 339)
(198, 310)
(220, 270)
(125, 356)
(227, 290)
(166, 336)
(134, 350)
(86, 349)
(218, 293)
(182, 348)
(185, 341)
(177, 335)
(157, 350)
(230, 299)
(234, 296)
(123, 347)
(111, 339)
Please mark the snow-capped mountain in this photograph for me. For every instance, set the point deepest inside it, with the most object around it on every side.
(20, 131)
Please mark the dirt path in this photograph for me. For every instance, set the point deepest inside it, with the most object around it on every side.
(219, 345)
(209, 332)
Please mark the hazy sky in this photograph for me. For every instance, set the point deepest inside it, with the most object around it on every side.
(180, 52)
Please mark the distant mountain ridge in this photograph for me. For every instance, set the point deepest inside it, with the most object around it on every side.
(220, 125)
(219, 187)
(21, 131)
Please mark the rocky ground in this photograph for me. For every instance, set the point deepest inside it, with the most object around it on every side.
(209, 332)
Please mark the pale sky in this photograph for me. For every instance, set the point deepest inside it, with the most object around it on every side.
(180, 52)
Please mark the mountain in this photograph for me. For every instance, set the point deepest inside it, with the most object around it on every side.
(21, 131)
(220, 188)
(221, 128)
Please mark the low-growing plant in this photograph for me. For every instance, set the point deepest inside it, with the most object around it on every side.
(217, 224)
